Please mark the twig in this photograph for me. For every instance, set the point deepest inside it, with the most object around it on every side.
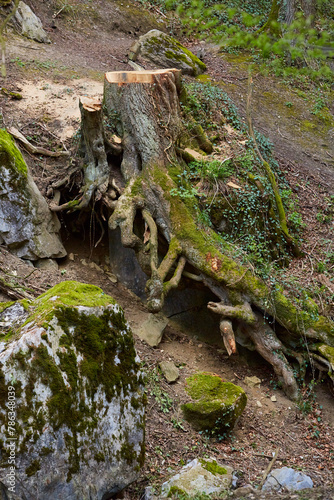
(33, 149)
(59, 11)
(293, 439)
(268, 469)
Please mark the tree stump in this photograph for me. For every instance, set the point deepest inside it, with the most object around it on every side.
(162, 225)
(145, 110)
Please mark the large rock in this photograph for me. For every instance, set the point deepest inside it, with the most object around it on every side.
(215, 405)
(287, 479)
(199, 476)
(31, 25)
(72, 379)
(166, 52)
(27, 226)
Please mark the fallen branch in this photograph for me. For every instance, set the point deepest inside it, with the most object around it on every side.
(34, 149)
(13, 291)
(268, 469)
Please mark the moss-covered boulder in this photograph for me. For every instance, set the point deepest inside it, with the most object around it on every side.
(204, 476)
(72, 379)
(27, 226)
(215, 405)
(166, 52)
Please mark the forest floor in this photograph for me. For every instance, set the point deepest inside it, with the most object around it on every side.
(50, 78)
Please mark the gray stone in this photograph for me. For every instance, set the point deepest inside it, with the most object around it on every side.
(74, 376)
(30, 24)
(149, 493)
(287, 478)
(13, 316)
(28, 227)
(252, 381)
(152, 329)
(200, 476)
(166, 52)
(170, 371)
(46, 264)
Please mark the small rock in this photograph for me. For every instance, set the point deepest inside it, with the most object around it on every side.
(84, 262)
(170, 371)
(152, 329)
(259, 404)
(149, 493)
(111, 277)
(28, 262)
(287, 478)
(273, 399)
(252, 381)
(92, 265)
(46, 264)
(204, 475)
(71, 256)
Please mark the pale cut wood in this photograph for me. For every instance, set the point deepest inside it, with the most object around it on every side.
(145, 76)
(91, 103)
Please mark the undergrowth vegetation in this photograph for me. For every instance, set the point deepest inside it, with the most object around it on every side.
(233, 191)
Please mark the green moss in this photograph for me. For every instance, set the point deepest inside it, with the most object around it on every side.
(205, 249)
(204, 78)
(307, 125)
(10, 155)
(128, 453)
(328, 352)
(175, 51)
(213, 467)
(99, 457)
(5, 305)
(33, 468)
(216, 404)
(45, 451)
(174, 490)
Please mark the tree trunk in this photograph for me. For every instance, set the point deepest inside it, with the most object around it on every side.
(161, 226)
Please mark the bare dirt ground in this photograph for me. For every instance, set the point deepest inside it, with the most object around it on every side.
(85, 44)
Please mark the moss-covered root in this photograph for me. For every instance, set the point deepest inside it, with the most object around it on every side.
(124, 215)
(268, 345)
(242, 312)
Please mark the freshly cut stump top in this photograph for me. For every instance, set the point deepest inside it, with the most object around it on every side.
(145, 76)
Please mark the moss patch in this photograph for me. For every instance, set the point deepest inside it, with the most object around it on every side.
(165, 46)
(10, 155)
(213, 467)
(217, 405)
